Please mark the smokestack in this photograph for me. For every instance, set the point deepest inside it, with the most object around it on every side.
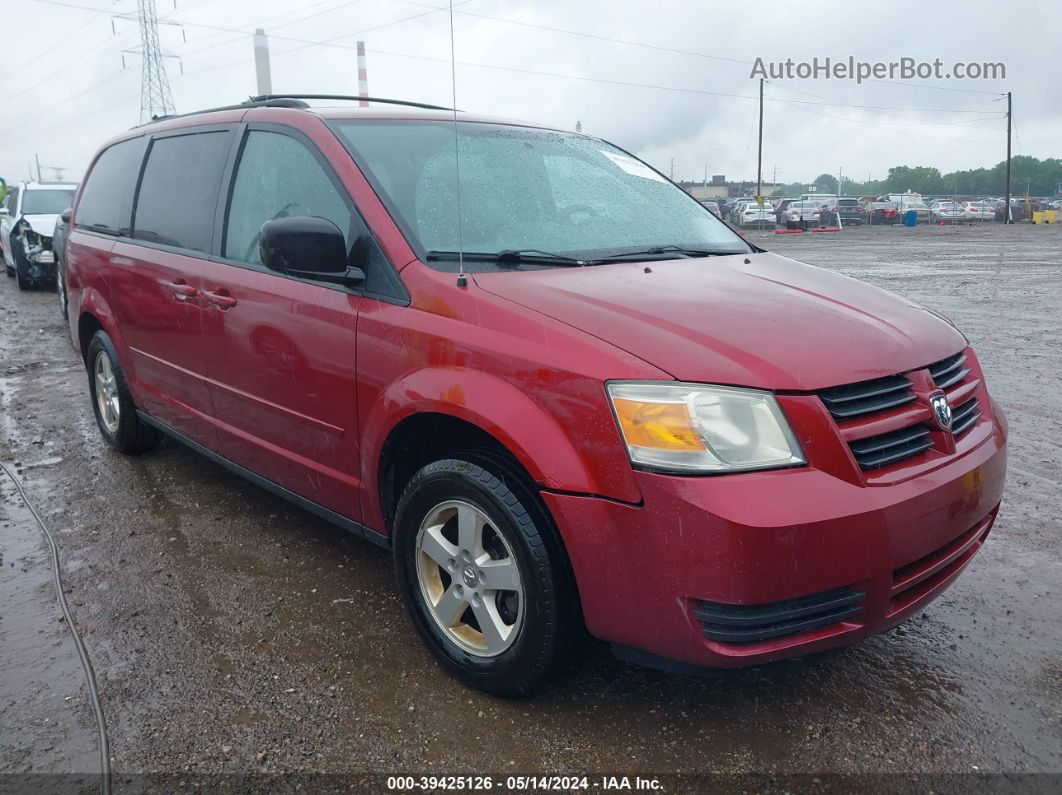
(261, 62)
(363, 76)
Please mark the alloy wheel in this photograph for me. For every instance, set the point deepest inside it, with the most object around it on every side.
(107, 392)
(469, 578)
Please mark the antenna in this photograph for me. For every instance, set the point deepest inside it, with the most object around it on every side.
(462, 279)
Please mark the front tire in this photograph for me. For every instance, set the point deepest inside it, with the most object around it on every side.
(112, 403)
(60, 289)
(21, 271)
(483, 576)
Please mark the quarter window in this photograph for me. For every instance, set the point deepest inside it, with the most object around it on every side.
(108, 194)
(179, 190)
(278, 177)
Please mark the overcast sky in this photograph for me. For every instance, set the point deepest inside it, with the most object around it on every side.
(63, 89)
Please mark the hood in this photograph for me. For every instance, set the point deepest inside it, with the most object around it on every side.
(770, 323)
(43, 225)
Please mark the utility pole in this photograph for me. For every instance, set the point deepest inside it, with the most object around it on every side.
(759, 154)
(261, 63)
(363, 77)
(1006, 209)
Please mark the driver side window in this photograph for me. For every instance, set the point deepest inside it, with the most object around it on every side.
(277, 177)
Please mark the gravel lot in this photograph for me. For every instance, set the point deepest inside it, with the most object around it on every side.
(231, 632)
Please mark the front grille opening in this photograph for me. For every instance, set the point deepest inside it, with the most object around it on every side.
(949, 372)
(964, 416)
(875, 452)
(751, 623)
(867, 397)
(914, 580)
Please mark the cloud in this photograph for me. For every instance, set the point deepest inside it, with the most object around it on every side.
(530, 72)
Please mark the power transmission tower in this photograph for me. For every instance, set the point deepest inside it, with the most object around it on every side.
(155, 96)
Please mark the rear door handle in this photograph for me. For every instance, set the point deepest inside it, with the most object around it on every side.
(220, 298)
(181, 290)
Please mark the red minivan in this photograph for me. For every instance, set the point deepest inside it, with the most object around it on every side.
(559, 389)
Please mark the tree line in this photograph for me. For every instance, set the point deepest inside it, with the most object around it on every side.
(1028, 175)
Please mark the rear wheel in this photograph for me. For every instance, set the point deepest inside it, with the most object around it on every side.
(112, 402)
(483, 577)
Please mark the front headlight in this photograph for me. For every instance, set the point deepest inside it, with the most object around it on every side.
(699, 428)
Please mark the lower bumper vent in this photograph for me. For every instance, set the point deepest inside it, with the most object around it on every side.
(752, 623)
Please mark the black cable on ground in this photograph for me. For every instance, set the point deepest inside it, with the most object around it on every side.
(86, 664)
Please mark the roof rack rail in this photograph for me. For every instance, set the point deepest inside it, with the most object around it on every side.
(262, 98)
(289, 101)
(259, 102)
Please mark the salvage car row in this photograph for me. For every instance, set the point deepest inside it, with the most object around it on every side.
(809, 211)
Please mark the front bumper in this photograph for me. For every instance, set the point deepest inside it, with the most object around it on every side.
(650, 576)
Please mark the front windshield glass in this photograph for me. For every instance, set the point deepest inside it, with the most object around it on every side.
(524, 188)
(46, 202)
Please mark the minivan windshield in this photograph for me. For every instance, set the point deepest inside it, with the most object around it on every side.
(46, 202)
(526, 189)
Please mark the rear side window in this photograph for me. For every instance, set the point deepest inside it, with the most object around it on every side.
(108, 193)
(179, 190)
(278, 177)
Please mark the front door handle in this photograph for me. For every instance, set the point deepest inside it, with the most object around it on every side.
(220, 298)
(181, 290)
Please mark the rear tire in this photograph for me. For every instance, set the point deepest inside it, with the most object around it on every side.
(112, 403)
(506, 640)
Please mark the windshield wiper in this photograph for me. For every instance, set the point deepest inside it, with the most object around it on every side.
(509, 256)
(657, 251)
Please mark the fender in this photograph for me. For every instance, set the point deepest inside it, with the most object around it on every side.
(93, 303)
(530, 432)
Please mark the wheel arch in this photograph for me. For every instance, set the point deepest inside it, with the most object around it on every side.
(492, 412)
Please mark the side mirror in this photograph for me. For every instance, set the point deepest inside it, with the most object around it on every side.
(3, 211)
(308, 247)
(67, 214)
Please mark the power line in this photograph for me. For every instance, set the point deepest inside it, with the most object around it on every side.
(331, 43)
(585, 35)
(48, 53)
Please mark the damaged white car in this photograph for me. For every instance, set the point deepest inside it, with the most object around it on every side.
(27, 220)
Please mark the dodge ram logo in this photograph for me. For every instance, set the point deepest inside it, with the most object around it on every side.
(941, 411)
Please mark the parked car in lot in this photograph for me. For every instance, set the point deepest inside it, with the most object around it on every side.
(843, 211)
(880, 213)
(26, 223)
(803, 214)
(946, 212)
(977, 211)
(1017, 210)
(589, 406)
(752, 215)
(920, 209)
(712, 207)
(59, 232)
(780, 210)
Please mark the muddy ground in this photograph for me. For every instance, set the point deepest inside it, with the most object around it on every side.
(232, 632)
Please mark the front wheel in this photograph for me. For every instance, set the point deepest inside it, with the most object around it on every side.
(60, 289)
(483, 576)
(22, 270)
